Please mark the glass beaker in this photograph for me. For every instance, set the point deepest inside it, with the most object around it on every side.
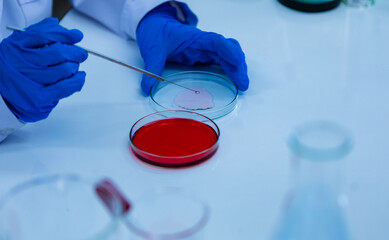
(59, 207)
(313, 209)
(168, 214)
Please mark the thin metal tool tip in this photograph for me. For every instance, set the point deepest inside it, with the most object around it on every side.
(15, 28)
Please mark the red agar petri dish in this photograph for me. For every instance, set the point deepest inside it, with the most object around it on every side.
(174, 138)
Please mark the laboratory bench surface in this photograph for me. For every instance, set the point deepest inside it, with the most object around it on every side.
(302, 67)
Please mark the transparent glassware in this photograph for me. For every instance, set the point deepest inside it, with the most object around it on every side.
(223, 92)
(168, 214)
(359, 3)
(313, 209)
(59, 207)
(184, 160)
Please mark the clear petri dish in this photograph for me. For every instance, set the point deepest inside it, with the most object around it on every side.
(216, 94)
(168, 213)
(57, 207)
(174, 138)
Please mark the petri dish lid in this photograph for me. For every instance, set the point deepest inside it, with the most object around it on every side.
(66, 202)
(216, 98)
(168, 213)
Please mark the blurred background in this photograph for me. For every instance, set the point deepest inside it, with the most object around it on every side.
(60, 8)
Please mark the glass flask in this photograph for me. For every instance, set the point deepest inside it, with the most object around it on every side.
(313, 209)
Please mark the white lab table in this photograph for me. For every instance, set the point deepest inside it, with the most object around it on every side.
(331, 65)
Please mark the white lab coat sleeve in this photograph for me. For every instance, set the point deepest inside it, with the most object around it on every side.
(121, 16)
(8, 121)
(35, 10)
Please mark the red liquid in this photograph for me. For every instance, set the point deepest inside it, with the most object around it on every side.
(175, 142)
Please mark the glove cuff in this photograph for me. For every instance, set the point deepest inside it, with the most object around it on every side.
(184, 14)
(174, 10)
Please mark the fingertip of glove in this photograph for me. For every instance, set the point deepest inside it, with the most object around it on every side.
(76, 35)
(79, 81)
(147, 84)
(243, 83)
(243, 86)
(82, 74)
(84, 55)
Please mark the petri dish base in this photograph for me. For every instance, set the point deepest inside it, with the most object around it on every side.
(174, 138)
(168, 213)
(215, 94)
(60, 207)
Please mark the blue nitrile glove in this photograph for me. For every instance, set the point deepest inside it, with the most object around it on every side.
(162, 38)
(38, 67)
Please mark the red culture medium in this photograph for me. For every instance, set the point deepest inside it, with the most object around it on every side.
(175, 142)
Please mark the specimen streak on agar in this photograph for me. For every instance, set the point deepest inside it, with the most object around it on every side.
(175, 138)
(199, 100)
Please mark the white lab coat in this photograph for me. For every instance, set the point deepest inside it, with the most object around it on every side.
(122, 16)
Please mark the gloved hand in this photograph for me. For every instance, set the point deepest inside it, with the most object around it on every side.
(38, 67)
(162, 38)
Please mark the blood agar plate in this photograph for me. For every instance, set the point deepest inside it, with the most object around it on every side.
(174, 138)
(211, 95)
